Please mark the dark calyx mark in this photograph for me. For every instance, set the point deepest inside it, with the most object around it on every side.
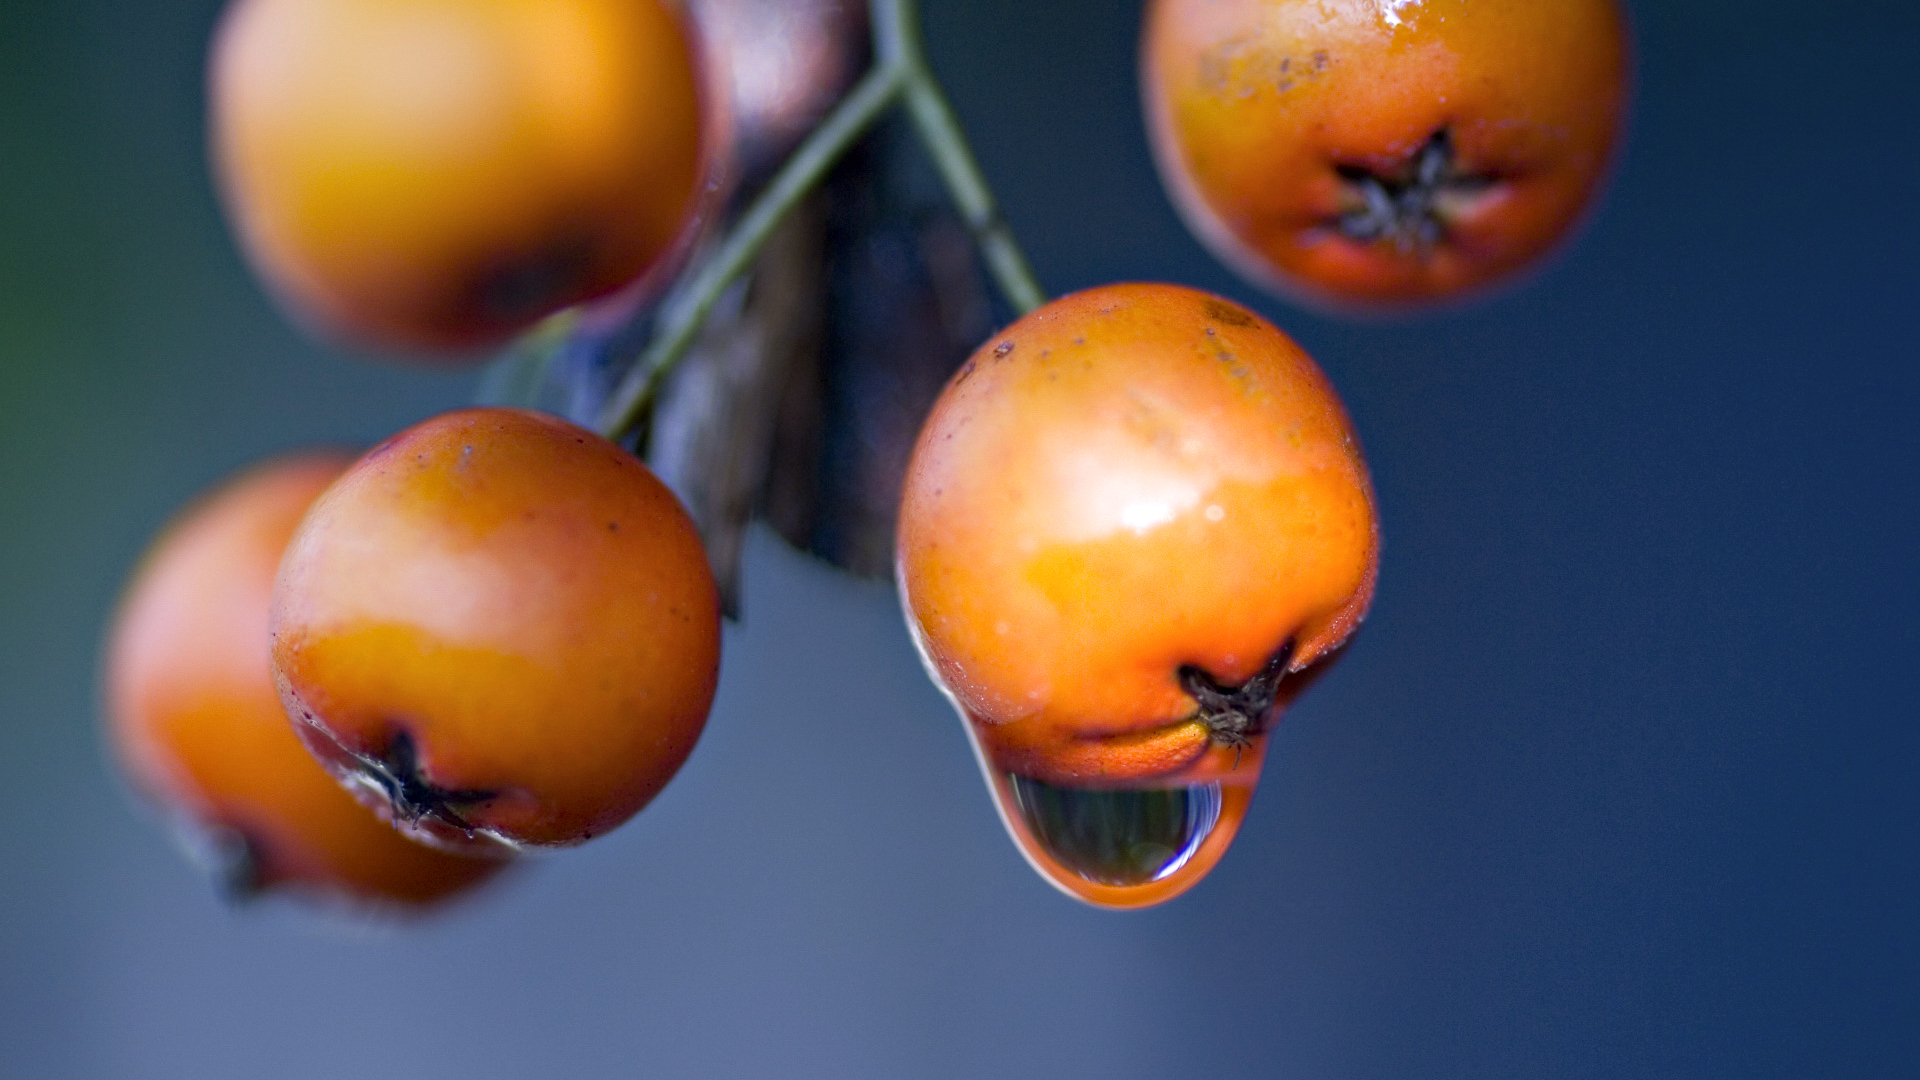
(398, 774)
(239, 871)
(1408, 207)
(1236, 714)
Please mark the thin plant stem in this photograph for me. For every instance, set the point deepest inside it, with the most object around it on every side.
(900, 74)
(686, 311)
(896, 24)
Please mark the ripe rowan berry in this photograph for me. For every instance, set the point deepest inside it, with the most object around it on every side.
(1382, 151)
(498, 627)
(194, 719)
(443, 173)
(1134, 523)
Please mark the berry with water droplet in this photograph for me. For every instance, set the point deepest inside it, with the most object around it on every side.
(1136, 522)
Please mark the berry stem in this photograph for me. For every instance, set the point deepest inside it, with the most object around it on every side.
(896, 26)
(686, 309)
(901, 74)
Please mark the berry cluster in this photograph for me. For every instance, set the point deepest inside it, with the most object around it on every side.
(1133, 525)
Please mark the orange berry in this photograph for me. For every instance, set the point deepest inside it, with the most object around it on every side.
(195, 721)
(498, 627)
(443, 173)
(1383, 152)
(1133, 523)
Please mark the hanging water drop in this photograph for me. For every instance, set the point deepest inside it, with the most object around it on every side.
(1123, 837)
(1126, 847)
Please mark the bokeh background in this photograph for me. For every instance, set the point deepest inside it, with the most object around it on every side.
(1619, 780)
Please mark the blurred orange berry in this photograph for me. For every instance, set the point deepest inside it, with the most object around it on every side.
(196, 723)
(441, 174)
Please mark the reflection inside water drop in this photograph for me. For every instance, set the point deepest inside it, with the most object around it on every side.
(1117, 837)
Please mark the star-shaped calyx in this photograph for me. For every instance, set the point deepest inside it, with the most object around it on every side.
(397, 772)
(1411, 207)
(1235, 715)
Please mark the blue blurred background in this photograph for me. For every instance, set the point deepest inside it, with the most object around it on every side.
(1619, 780)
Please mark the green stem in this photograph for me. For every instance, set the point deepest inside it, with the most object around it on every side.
(896, 25)
(901, 73)
(682, 316)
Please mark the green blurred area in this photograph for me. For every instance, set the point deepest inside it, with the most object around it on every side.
(139, 362)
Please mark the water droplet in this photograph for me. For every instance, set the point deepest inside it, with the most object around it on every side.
(1125, 847)
(1123, 837)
